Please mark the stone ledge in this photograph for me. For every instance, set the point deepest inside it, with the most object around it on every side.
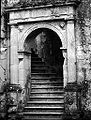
(26, 52)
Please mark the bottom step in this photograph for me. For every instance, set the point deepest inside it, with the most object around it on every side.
(42, 118)
(47, 117)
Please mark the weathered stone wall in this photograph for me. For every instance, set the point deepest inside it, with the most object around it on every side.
(2, 43)
(3, 61)
(78, 95)
(83, 51)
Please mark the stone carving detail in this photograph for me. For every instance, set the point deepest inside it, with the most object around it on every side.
(20, 28)
(62, 25)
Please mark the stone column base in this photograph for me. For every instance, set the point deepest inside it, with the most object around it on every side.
(72, 101)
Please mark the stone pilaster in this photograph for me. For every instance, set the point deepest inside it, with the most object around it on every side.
(24, 66)
(14, 55)
(65, 74)
(71, 52)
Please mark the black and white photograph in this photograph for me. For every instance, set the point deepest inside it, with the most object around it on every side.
(45, 60)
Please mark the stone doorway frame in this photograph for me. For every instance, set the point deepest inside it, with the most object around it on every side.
(54, 29)
(20, 59)
(23, 21)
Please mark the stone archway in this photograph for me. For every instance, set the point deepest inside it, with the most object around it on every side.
(46, 72)
(46, 43)
(33, 32)
(67, 36)
(30, 29)
(59, 19)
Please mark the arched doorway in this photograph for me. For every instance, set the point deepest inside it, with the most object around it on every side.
(46, 43)
(56, 26)
(46, 98)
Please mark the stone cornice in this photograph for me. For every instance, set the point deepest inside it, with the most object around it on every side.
(27, 4)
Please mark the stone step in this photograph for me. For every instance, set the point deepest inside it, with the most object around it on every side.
(38, 63)
(43, 118)
(44, 89)
(42, 69)
(35, 97)
(48, 116)
(47, 78)
(47, 92)
(46, 82)
(39, 70)
(35, 65)
(46, 105)
(47, 97)
(45, 102)
(36, 59)
(43, 109)
(45, 86)
(34, 55)
(42, 75)
(43, 113)
(34, 82)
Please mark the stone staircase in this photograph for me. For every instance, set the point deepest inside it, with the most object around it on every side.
(46, 101)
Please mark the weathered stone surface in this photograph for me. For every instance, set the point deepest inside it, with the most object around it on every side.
(83, 38)
(75, 37)
(60, 20)
(71, 52)
(48, 13)
(72, 99)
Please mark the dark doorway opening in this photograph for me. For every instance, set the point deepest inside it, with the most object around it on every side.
(46, 43)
